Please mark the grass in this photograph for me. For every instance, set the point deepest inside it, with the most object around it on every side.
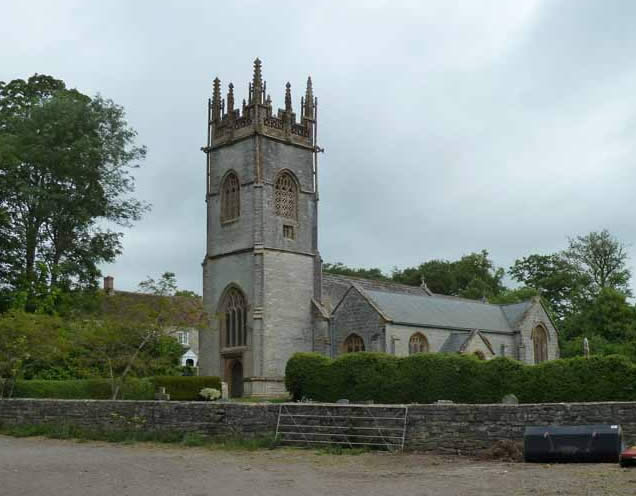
(67, 431)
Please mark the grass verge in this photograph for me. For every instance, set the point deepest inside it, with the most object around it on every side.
(67, 431)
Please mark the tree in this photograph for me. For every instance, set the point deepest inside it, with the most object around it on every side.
(601, 259)
(472, 276)
(340, 269)
(24, 337)
(553, 277)
(133, 329)
(65, 162)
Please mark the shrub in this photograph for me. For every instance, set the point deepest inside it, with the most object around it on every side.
(94, 389)
(428, 377)
(184, 388)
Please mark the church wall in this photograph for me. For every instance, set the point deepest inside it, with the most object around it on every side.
(236, 235)
(535, 316)
(287, 312)
(299, 161)
(356, 315)
(435, 337)
(218, 274)
(497, 340)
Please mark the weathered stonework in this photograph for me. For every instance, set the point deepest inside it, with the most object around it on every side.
(451, 428)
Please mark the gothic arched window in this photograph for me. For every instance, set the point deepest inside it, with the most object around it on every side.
(230, 198)
(286, 196)
(234, 318)
(353, 343)
(418, 343)
(540, 342)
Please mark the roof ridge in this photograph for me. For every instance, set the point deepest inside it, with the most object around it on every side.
(375, 281)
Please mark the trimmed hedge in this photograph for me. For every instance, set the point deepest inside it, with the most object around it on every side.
(186, 388)
(83, 389)
(428, 377)
(180, 388)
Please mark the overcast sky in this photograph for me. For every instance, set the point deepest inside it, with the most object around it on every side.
(449, 126)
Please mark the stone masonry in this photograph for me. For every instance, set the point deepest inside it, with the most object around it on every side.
(452, 428)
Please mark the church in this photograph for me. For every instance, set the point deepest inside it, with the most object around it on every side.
(263, 286)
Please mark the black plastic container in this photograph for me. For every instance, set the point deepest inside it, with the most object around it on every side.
(573, 443)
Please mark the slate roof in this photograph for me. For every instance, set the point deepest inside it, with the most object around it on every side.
(434, 311)
(454, 342)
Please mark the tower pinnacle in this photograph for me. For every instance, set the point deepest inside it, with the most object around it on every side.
(216, 99)
(288, 99)
(257, 83)
(309, 101)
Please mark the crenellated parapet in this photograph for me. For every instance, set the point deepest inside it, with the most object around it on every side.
(256, 115)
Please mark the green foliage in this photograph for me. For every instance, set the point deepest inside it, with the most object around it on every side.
(554, 278)
(602, 260)
(428, 377)
(65, 164)
(93, 389)
(186, 388)
(472, 276)
(343, 270)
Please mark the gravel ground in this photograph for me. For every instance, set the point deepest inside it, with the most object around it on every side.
(36, 466)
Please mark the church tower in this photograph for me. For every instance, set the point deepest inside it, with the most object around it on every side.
(261, 272)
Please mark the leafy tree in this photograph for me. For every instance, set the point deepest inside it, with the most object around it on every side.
(601, 259)
(554, 278)
(609, 315)
(24, 337)
(65, 162)
(340, 269)
(517, 295)
(135, 333)
(472, 276)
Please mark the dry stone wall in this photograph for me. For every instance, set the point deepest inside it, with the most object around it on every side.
(449, 428)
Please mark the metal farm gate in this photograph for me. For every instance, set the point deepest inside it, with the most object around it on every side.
(342, 424)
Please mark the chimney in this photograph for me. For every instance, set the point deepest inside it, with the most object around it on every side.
(109, 287)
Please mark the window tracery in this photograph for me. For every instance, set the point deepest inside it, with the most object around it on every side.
(418, 343)
(286, 196)
(230, 198)
(353, 343)
(234, 321)
(540, 342)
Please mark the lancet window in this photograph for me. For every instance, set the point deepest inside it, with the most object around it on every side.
(234, 318)
(540, 342)
(230, 198)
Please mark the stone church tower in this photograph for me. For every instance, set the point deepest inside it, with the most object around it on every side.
(261, 272)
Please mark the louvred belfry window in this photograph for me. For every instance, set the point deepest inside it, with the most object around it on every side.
(234, 321)
(286, 196)
(230, 198)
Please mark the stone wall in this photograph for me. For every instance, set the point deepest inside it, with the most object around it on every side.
(449, 428)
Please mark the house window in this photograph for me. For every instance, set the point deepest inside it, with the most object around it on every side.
(540, 342)
(234, 318)
(353, 343)
(230, 198)
(183, 338)
(286, 196)
(288, 232)
(418, 344)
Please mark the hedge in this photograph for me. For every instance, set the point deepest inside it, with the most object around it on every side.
(180, 388)
(428, 377)
(83, 389)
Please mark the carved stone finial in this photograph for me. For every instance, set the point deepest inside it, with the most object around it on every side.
(288, 100)
(257, 83)
(216, 99)
(244, 107)
(309, 100)
(230, 99)
(268, 102)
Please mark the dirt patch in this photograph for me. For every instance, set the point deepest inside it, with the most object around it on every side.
(37, 466)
